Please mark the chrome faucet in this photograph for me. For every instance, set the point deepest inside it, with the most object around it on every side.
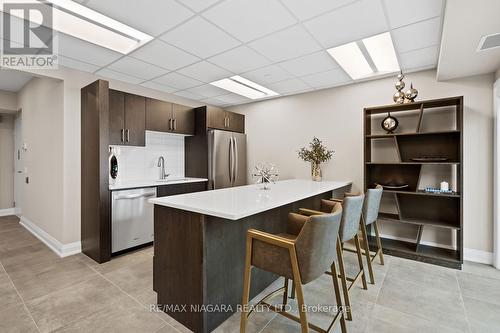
(161, 165)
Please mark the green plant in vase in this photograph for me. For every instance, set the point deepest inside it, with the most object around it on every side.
(316, 154)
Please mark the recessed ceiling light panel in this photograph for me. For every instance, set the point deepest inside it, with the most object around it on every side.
(382, 53)
(84, 23)
(244, 87)
(489, 42)
(352, 60)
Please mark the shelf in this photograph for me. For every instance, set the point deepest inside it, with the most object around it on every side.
(445, 195)
(412, 163)
(428, 254)
(385, 136)
(395, 218)
(415, 106)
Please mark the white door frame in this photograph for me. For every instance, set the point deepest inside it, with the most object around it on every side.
(18, 163)
(496, 181)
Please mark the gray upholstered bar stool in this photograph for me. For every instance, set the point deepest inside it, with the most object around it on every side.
(352, 207)
(303, 254)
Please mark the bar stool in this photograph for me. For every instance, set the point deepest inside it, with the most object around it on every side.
(303, 254)
(352, 207)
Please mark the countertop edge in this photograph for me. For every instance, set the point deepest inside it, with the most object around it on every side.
(156, 201)
(153, 183)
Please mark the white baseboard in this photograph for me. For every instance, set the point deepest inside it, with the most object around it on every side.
(62, 250)
(7, 211)
(478, 256)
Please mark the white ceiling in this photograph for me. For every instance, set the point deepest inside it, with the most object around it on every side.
(13, 81)
(280, 44)
(461, 37)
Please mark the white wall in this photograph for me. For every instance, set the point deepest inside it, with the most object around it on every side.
(8, 101)
(6, 161)
(278, 128)
(496, 202)
(41, 101)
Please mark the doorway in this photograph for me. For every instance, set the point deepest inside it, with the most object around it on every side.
(18, 163)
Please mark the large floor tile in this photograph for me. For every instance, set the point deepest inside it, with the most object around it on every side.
(481, 270)
(62, 307)
(117, 263)
(16, 319)
(37, 280)
(124, 316)
(8, 294)
(483, 317)
(388, 320)
(443, 308)
(481, 288)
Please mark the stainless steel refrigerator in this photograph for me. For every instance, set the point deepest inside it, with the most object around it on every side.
(227, 159)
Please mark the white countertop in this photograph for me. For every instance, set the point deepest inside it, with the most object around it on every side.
(150, 183)
(242, 201)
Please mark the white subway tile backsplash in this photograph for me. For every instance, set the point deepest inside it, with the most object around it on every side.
(140, 163)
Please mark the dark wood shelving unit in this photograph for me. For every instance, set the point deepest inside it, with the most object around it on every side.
(411, 206)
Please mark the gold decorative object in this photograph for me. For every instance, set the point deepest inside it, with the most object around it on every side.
(411, 94)
(317, 154)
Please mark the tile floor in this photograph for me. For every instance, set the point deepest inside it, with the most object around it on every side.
(40, 292)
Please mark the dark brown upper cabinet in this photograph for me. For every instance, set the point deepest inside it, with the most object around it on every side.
(225, 120)
(168, 117)
(127, 119)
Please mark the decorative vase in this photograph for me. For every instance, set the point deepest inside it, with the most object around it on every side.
(316, 171)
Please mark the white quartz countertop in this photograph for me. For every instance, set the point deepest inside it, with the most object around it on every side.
(242, 201)
(151, 183)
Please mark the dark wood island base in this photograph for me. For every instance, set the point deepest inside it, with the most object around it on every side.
(199, 261)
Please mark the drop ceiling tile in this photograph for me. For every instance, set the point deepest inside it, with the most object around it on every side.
(233, 99)
(13, 80)
(157, 86)
(269, 74)
(207, 91)
(150, 16)
(137, 68)
(288, 86)
(417, 36)
(307, 9)
(167, 56)
(189, 95)
(80, 50)
(200, 37)
(204, 71)
(310, 64)
(213, 101)
(76, 64)
(286, 44)
(198, 5)
(422, 58)
(248, 20)
(240, 59)
(358, 20)
(404, 12)
(107, 73)
(177, 81)
(325, 79)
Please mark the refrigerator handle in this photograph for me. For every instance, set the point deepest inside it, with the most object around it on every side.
(235, 152)
(231, 160)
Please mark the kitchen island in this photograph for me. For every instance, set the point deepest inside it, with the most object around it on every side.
(199, 247)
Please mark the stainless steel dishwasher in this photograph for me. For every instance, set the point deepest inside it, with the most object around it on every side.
(131, 218)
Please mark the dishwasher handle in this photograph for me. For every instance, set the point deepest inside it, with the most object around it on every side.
(135, 196)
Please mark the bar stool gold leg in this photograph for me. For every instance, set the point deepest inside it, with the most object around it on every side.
(298, 287)
(343, 280)
(338, 298)
(367, 251)
(360, 261)
(246, 286)
(379, 243)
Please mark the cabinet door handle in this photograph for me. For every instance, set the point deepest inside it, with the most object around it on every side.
(175, 124)
(225, 121)
(170, 124)
(128, 135)
(228, 122)
(123, 134)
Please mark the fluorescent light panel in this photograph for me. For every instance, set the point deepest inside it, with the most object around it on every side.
(381, 50)
(244, 87)
(84, 23)
(352, 60)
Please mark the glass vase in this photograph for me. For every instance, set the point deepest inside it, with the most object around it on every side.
(316, 171)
